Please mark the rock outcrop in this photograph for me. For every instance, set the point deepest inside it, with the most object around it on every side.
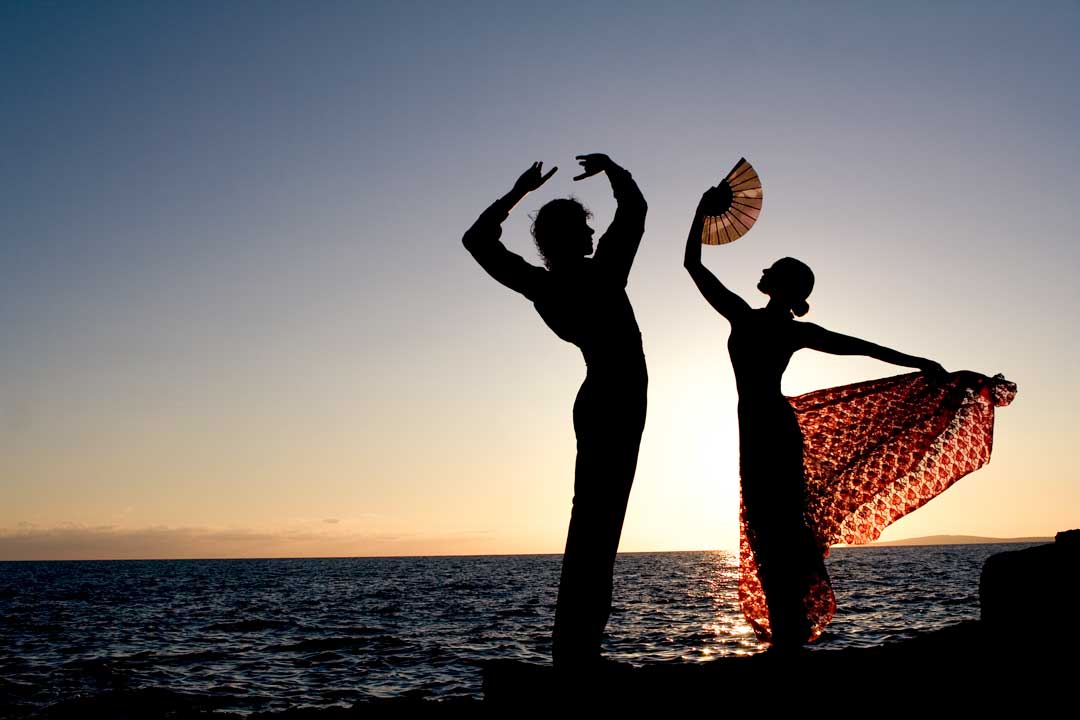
(1034, 592)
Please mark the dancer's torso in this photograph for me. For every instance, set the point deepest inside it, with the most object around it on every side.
(770, 442)
(761, 345)
(583, 306)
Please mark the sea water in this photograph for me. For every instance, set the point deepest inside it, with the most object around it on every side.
(275, 634)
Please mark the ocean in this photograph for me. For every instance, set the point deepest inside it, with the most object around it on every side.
(266, 635)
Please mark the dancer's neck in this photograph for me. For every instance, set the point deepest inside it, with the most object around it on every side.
(778, 309)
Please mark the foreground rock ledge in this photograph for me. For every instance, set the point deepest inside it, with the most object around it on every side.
(963, 665)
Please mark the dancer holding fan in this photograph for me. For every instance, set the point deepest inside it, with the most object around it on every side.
(833, 466)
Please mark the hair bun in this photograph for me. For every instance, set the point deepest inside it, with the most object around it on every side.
(800, 308)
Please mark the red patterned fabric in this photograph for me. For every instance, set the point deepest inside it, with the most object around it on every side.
(873, 452)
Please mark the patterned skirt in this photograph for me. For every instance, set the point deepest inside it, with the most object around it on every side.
(872, 452)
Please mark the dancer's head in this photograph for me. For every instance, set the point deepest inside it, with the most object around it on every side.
(788, 281)
(561, 231)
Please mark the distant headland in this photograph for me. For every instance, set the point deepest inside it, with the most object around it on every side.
(962, 540)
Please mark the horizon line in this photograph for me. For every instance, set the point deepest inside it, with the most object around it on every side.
(923, 541)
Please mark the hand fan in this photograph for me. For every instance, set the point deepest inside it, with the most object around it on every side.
(733, 206)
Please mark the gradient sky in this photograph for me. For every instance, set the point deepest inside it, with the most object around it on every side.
(237, 318)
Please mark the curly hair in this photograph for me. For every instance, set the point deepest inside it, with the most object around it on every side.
(551, 223)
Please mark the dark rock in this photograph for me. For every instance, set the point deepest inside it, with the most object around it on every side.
(1035, 591)
(1068, 538)
(961, 669)
(128, 704)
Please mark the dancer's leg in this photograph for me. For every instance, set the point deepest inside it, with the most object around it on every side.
(608, 445)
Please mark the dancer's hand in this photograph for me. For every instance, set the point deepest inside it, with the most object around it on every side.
(592, 164)
(707, 198)
(532, 179)
(932, 368)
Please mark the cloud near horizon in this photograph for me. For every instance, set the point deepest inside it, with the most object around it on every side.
(109, 542)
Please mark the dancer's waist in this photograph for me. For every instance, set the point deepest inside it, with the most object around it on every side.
(626, 355)
(623, 363)
(764, 405)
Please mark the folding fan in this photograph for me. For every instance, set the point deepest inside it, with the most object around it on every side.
(733, 206)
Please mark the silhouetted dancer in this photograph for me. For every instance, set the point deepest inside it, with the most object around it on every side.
(583, 300)
(789, 558)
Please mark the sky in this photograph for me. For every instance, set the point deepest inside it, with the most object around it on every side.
(237, 319)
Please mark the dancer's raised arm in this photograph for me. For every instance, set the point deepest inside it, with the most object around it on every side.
(482, 239)
(723, 300)
(818, 338)
(616, 249)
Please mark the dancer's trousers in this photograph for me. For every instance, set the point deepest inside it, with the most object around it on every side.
(609, 416)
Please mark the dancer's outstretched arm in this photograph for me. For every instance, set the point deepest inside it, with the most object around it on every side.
(723, 300)
(482, 239)
(818, 338)
(615, 250)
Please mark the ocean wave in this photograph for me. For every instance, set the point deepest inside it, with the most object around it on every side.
(250, 625)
